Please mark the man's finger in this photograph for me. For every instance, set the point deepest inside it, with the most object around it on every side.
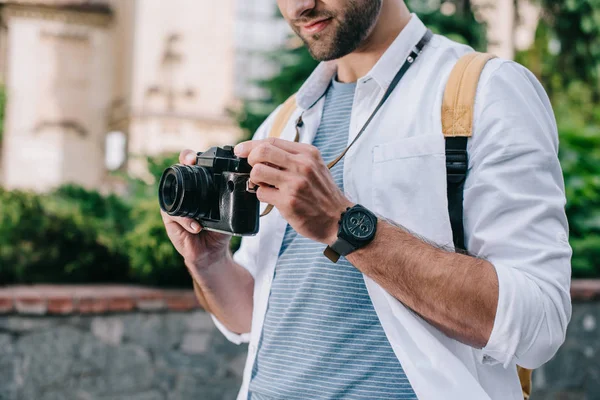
(266, 153)
(265, 175)
(187, 157)
(189, 224)
(267, 194)
(245, 148)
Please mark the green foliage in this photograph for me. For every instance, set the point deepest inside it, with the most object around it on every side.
(576, 26)
(2, 106)
(460, 26)
(153, 259)
(296, 65)
(580, 157)
(38, 245)
(139, 190)
(566, 58)
(108, 216)
(74, 235)
(579, 126)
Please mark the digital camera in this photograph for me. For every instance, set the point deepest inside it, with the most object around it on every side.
(214, 192)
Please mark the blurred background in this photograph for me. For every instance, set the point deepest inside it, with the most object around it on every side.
(97, 97)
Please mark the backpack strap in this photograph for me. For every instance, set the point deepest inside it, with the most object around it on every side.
(283, 116)
(457, 125)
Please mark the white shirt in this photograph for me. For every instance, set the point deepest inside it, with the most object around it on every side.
(513, 212)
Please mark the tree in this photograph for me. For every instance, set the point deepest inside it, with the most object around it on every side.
(457, 23)
(2, 106)
(295, 66)
(575, 24)
(566, 59)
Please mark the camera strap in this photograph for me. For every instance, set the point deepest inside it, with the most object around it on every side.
(289, 107)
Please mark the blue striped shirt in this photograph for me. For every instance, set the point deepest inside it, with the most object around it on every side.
(322, 338)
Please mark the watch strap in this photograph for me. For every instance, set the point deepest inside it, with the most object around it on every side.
(340, 248)
(331, 254)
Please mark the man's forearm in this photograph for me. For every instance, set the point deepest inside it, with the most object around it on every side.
(225, 289)
(456, 293)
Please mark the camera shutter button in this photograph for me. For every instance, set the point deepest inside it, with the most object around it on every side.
(228, 148)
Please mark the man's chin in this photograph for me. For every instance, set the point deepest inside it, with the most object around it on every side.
(324, 54)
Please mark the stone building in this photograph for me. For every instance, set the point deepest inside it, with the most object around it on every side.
(160, 72)
(89, 81)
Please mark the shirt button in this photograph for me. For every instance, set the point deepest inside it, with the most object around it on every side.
(253, 348)
(267, 280)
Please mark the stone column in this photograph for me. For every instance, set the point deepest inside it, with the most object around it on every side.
(58, 86)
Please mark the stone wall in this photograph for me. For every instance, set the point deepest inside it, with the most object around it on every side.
(162, 348)
(127, 343)
(574, 373)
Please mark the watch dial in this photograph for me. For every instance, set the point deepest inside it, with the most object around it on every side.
(359, 224)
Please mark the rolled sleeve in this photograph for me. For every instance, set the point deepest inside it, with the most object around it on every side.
(247, 254)
(515, 215)
(234, 338)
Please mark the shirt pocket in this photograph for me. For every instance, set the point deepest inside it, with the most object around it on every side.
(409, 185)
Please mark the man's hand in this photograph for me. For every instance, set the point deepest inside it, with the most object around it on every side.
(294, 178)
(199, 248)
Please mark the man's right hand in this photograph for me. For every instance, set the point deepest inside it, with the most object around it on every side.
(199, 248)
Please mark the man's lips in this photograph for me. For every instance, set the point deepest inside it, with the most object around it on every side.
(315, 27)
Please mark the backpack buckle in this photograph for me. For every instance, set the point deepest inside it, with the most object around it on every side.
(457, 164)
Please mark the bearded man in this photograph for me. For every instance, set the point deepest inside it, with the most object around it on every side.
(400, 315)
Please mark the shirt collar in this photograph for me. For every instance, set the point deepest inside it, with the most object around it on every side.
(383, 72)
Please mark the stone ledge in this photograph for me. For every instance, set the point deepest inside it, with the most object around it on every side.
(79, 299)
(585, 289)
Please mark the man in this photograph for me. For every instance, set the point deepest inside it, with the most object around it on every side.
(400, 316)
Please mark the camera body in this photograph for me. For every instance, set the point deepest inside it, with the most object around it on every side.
(214, 192)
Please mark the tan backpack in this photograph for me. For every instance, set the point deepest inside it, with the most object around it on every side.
(457, 126)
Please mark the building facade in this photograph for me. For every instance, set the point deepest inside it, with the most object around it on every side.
(146, 77)
(160, 73)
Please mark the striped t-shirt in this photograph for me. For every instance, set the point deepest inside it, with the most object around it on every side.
(322, 338)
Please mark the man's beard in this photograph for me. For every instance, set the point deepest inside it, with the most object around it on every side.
(348, 33)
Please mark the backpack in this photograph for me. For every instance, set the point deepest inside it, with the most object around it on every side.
(457, 126)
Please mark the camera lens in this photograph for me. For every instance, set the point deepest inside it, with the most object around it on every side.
(170, 190)
(185, 191)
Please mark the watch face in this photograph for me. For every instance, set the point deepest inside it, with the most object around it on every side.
(359, 224)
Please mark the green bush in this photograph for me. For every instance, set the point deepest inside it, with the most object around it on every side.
(108, 216)
(2, 105)
(569, 72)
(580, 159)
(38, 246)
(74, 235)
(153, 259)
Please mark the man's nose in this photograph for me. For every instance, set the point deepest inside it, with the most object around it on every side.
(296, 8)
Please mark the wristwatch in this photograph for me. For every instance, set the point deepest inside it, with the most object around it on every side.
(357, 228)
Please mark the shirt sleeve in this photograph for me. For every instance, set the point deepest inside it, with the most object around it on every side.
(515, 218)
(247, 254)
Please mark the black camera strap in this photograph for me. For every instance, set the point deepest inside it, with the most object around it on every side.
(410, 60)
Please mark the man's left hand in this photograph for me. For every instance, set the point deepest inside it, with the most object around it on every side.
(294, 178)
